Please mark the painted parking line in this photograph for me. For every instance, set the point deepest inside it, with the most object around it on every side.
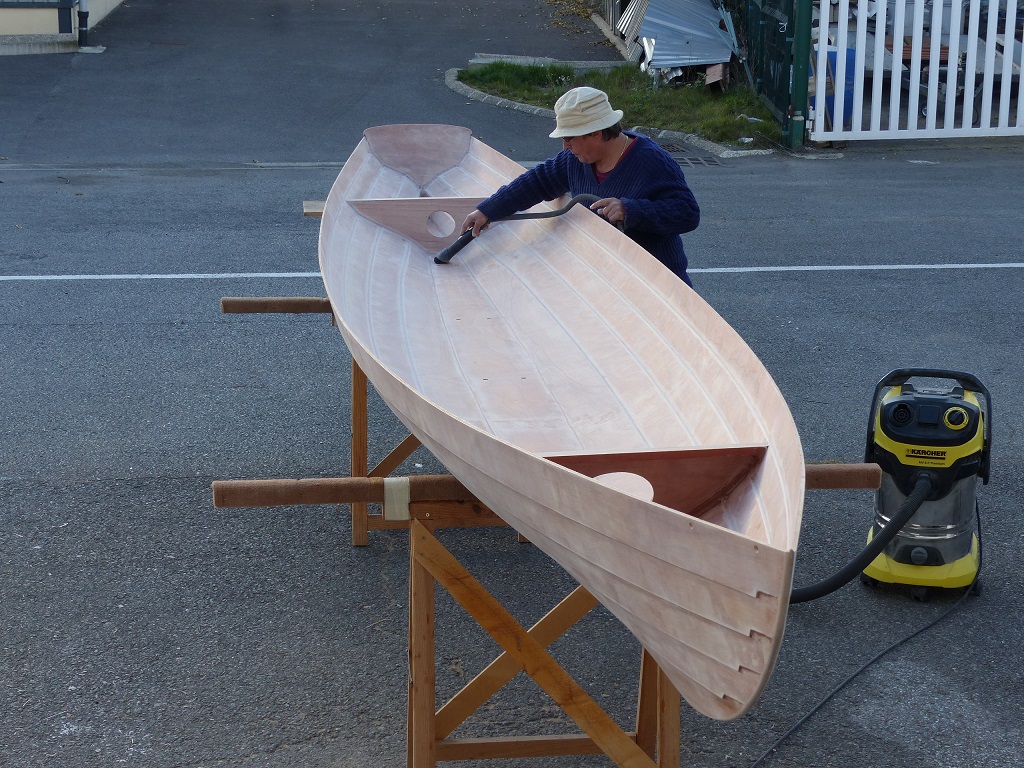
(856, 267)
(697, 270)
(182, 276)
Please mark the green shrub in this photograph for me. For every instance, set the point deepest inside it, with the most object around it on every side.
(723, 116)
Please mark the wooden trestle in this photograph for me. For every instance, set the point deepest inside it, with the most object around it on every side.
(423, 504)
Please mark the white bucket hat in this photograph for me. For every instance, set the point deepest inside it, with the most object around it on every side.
(583, 110)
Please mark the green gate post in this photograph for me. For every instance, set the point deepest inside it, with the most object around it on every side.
(801, 64)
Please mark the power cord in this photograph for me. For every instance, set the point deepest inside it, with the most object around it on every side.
(774, 747)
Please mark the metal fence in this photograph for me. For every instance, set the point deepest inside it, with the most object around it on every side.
(920, 69)
(778, 45)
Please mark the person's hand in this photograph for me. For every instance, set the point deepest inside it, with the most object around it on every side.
(475, 221)
(611, 208)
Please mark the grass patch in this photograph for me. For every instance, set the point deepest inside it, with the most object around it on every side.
(720, 116)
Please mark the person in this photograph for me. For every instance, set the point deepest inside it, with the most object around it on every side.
(639, 183)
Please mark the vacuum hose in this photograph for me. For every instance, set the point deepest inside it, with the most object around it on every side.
(917, 497)
(446, 255)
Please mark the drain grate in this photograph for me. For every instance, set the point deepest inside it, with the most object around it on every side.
(695, 161)
(686, 156)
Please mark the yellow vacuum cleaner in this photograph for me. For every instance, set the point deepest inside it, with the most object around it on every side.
(932, 443)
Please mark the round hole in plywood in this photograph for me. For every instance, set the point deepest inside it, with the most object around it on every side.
(440, 224)
(633, 485)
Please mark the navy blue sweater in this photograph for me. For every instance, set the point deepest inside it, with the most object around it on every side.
(659, 205)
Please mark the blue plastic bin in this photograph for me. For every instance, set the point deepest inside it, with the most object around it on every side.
(830, 99)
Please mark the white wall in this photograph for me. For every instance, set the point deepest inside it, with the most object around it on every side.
(45, 21)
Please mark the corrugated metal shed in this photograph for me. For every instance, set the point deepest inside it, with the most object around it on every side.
(686, 33)
(629, 26)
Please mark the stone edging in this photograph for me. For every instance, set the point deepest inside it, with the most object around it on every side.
(27, 45)
(451, 79)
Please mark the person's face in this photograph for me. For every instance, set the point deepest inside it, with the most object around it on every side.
(587, 148)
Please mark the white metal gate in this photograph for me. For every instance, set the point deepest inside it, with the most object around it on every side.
(911, 69)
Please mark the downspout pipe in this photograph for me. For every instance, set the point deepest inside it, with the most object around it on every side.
(83, 23)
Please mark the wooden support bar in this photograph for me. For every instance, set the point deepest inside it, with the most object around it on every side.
(444, 488)
(313, 207)
(334, 490)
(241, 305)
(516, 746)
(453, 514)
(843, 476)
(345, 490)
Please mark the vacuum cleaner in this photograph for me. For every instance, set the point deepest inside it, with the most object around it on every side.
(932, 444)
(942, 434)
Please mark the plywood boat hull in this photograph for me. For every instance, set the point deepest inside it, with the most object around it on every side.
(585, 394)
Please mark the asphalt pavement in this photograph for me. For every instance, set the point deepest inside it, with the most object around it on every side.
(142, 627)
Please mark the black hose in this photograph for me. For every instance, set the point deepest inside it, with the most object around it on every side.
(913, 502)
(446, 255)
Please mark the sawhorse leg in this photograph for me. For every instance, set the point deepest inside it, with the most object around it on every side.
(359, 451)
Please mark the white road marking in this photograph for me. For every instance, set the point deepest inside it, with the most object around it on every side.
(696, 270)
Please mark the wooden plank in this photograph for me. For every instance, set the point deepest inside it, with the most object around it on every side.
(313, 207)
(432, 222)
(516, 746)
(337, 490)
(231, 305)
(454, 514)
(536, 661)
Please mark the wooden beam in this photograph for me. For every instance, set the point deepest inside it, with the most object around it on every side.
(335, 490)
(241, 305)
(313, 207)
(516, 746)
(446, 488)
(842, 476)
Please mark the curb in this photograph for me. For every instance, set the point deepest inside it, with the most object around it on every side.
(451, 79)
(25, 45)
(30, 45)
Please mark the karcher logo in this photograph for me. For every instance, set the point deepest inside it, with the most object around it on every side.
(922, 453)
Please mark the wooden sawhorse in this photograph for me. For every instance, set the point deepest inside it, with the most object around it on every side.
(423, 504)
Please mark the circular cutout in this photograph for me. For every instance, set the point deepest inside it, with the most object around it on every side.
(440, 224)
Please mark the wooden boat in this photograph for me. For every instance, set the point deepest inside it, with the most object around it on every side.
(584, 393)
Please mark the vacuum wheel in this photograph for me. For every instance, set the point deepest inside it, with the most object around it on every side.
(869, 581)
